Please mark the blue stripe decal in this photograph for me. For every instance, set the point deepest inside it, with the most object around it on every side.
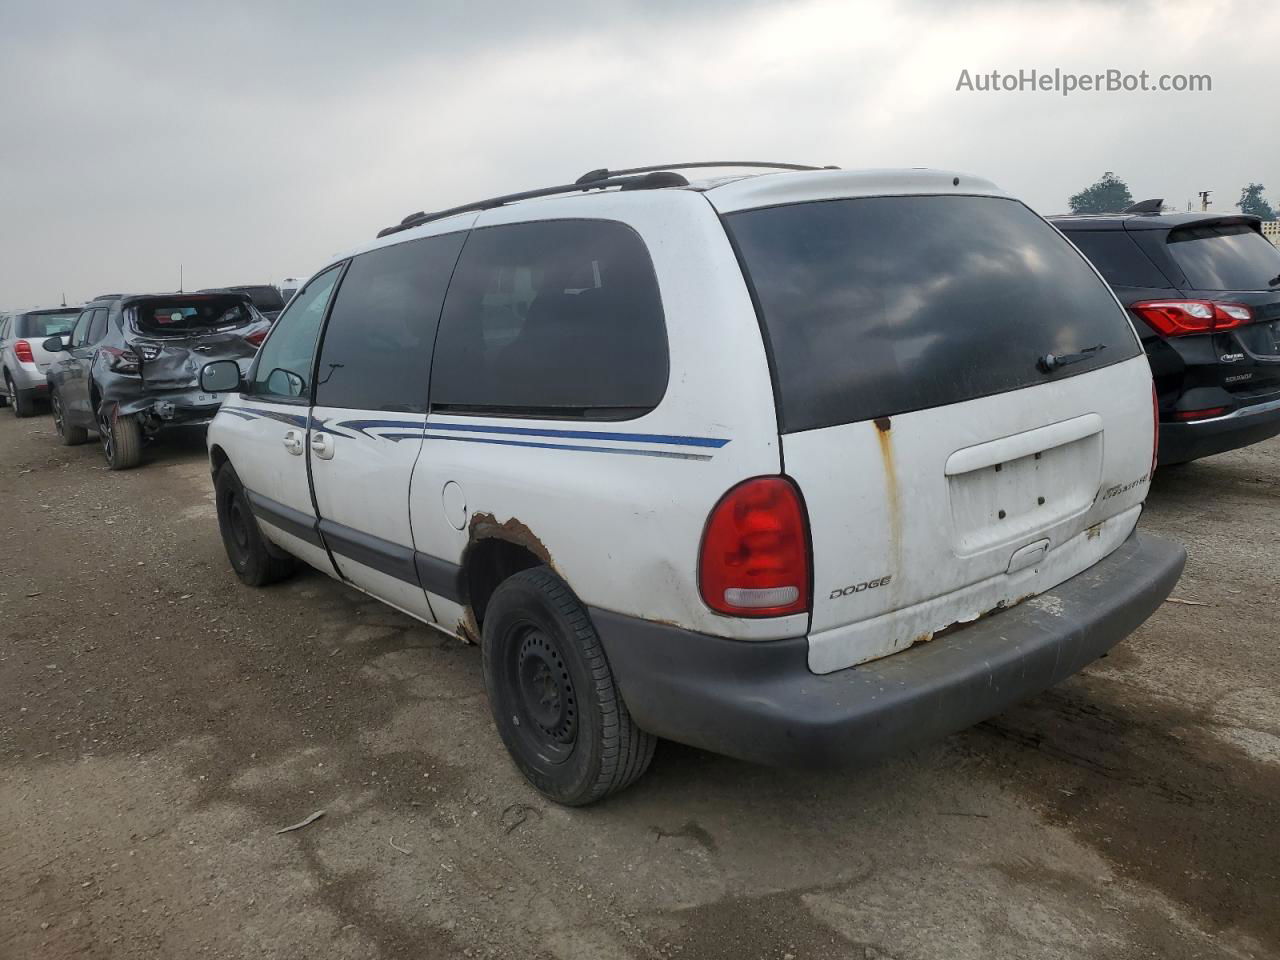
(365, 426)
(714, 442)
(238, 412)
(627, 451)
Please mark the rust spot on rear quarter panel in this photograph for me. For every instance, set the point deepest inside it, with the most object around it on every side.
(486, 526)
(467, 629)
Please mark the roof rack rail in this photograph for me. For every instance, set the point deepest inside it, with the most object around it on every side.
(593, 175)
(1145, 206)
(649, 181)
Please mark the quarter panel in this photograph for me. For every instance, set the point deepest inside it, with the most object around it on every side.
(618, 508)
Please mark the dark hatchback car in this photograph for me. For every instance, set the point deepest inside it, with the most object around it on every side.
(131, 366)
(265, 297)
(1204, 293)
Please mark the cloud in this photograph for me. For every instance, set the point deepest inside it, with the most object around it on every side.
(248, 143)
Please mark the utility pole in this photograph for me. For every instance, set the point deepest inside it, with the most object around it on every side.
(1204, 200)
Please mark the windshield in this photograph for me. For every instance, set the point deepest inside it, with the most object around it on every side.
(192, 314)
(881, 305)
(38, 326)
(1226, 257)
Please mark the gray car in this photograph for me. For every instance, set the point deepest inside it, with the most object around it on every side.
(23, 359)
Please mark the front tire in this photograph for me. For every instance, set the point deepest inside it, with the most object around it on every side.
(553, 696)
(121, 441)
(69, 435)
(247, 550)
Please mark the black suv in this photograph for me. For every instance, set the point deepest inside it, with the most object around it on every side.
(1204, 293)
(132, 363)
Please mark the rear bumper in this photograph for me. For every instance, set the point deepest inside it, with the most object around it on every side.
(759, 701)
(1180, 442)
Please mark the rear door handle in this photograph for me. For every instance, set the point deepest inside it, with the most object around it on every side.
(322, 445)
(293, 442)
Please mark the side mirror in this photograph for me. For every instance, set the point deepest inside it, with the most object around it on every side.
(220, 376)
(54, 345)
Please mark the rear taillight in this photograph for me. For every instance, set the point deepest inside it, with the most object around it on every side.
(256, 337)
(121, 361)
(754, 560)
(22, 350)
(1177, 318)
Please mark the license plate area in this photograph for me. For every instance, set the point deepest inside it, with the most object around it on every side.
(996, 501)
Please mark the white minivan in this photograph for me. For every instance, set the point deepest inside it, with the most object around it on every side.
(802, 466)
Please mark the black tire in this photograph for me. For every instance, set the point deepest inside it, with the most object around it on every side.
(553, 695)
(252, 560)
(121, 441)
(23, 404)
(69, 435)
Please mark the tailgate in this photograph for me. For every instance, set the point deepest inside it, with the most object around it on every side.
(932, 518)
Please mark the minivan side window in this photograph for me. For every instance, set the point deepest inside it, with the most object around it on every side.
(557, 319)
(283, 367)
(376, 351)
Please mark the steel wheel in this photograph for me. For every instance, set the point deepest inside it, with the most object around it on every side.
(546, 706)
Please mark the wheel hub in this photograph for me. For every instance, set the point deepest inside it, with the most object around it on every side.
(546, 691)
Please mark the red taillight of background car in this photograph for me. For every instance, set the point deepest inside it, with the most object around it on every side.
(1205, 414)
(754, 560)
(22, 350)
(121, 361)
(257, 337)
(1178, 318)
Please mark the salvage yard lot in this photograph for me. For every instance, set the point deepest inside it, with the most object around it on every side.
(159, 723)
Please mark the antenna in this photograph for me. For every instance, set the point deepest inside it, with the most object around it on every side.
(64, 298)
(180, 278)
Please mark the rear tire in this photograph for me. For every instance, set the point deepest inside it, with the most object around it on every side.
(121, 441)
(69, 435)
(247, 550)
(553, 696)
(23, 403)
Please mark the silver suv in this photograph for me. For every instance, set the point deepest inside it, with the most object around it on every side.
(23, 359)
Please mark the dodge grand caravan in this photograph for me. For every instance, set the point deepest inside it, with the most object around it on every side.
(802, 467)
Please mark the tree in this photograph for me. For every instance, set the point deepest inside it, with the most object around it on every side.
(1108, 195)
(1251, 202)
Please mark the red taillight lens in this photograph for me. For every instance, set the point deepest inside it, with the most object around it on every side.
(1177, 318)
(755, 551)
(257, 337)
(22, 350)
(121, 361)
(1204, 414)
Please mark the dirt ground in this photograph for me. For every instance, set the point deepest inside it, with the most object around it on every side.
(159, 723)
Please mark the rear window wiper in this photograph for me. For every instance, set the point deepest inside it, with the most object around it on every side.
(1052, 361)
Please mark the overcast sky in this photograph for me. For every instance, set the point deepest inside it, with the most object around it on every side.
(250, 141)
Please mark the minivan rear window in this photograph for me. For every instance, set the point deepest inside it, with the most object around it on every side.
(39, 326)
(1226, 257)
(192, 314)
(882, 305)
